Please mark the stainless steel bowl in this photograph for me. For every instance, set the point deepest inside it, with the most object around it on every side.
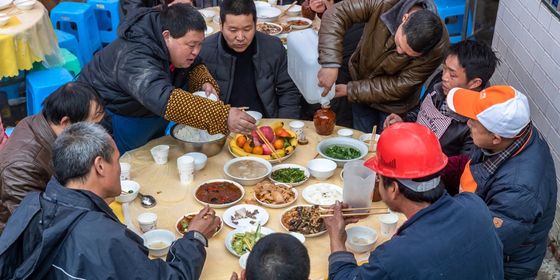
(210, 148)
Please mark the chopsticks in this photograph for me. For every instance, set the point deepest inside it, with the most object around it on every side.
(243, 108)
(373, 140)
(261, 135)
(330, 212)
(283, 13)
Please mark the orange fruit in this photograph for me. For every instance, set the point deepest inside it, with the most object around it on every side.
(258, 150)
(241, 140)
(278, 144)
(247, 147)
(279, 131)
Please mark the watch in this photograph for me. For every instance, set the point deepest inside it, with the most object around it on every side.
(197, 236)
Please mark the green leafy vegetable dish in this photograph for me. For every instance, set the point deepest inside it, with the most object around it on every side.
(288, 175)
(342, 152)
(244, 242)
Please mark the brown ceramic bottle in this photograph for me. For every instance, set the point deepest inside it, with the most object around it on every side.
(324, 120)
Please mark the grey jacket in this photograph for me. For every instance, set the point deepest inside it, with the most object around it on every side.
(276, 89)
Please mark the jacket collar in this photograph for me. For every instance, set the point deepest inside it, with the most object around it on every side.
(42, 130)
(444, 199)
(393, 17)
(222, 47)
(57, 193)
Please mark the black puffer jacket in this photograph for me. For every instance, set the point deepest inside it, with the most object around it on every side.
(132, 74)
(276, 89)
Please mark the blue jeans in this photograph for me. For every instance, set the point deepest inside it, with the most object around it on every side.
(132, 132)
(365, 117)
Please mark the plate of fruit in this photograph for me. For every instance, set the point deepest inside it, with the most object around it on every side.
(283, 141)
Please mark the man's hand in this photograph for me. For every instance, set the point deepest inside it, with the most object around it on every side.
(327, 77)
(336, 227)
(205, 222)
(234, 276)
(317, 6)
(240, 122)
(209, 89)
(341, 90)
(392, 119)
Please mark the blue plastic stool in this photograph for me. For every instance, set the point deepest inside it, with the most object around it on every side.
(107, 15)
(79, 20)
(41, 84)
(69, 42)
(452, 12)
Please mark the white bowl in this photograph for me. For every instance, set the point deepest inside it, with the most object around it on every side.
(259, 4)
(208, 32)
(256, 115)
(345, 132)
(224, 205)
(298, 236)
(276, 206)
(126, 186)
(194, 214)
(161, 237)
(294, 11)
(26, 5)
(4, 20)
(290, 165)
(268, 14)
(229, 238)
(5, 4)
(342, 141)
(248, 181)
(360, 239)
(293, 26)
(243, 260)
(366, 137)
(200, 160)
(207, 15)
(321, 168)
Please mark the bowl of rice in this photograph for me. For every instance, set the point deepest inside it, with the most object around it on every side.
(198, 140)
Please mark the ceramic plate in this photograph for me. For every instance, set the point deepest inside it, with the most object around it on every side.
(261, 217)
(322, 194)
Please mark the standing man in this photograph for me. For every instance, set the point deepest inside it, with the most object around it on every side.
(25, 160)
(69, 232)
(146, 78)
(402, 44)
(444, 237)
(251, 67)
(512, 171)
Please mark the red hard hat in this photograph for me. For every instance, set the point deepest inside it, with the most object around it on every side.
(407, 151)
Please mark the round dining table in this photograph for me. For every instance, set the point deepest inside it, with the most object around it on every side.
(26, 38)
(175, 200)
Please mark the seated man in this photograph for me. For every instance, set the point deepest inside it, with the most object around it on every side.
(403, 42)
(69, 231)
(277, 256)
(470, 65)
(25, 161)
(444, 237)
(512, 170)
(250, 67)
(147, 76)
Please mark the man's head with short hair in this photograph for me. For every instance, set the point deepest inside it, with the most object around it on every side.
(419, 32)
(238, 19)
(469, 64)
(183, 32)
(71, 103)
(278, 256)
(84, 152)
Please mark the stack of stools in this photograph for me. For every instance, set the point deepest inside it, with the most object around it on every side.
(79, 20)
(452, 12)
(107, 15)
(69, 42)
(40, 84)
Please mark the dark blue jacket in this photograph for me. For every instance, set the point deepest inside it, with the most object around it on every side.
(454, 238)
(64, 233)
(522, 195)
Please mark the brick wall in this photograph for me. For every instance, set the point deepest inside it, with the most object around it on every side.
(527, 40)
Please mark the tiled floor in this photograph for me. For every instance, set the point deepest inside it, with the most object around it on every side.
(550, 268)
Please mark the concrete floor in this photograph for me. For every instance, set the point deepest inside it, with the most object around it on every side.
(550, 268)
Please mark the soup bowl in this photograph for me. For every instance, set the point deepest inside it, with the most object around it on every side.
(247, 171)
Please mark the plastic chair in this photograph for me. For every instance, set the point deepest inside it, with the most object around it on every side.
(79, 20)
(40, 84)
(69, 42)
(452, 12)
(107, 15)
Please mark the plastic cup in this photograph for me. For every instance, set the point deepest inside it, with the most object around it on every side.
(388, 223)
(160, 153)
(297, 127)
(147, 221)
(125, 171)
(185, 165)
(272, 2)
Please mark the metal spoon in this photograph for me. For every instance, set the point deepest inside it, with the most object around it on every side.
(147, 201)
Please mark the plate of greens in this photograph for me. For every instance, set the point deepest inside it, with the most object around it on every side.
(242, 240)
(290, 174)
(342, 149)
